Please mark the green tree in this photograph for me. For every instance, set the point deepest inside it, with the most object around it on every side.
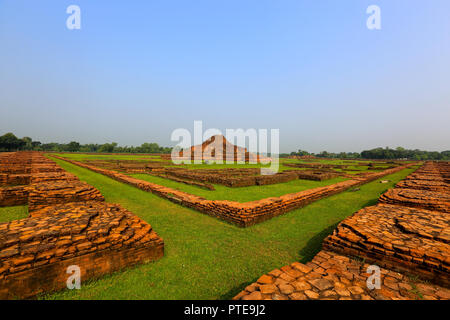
(9, 142)
(73, 146)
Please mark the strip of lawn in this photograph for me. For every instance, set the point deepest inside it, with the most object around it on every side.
(13, 213)
(206, 258)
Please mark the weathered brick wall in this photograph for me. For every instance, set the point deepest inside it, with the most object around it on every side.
(14, 179)
(52, 177)
(429, 185)
(13, 196)
(185, 181)
(242, 214)
(330, 276)
(49, 193)
(409, 229)
(100, 238)
(69, 224)
(408, 239)
(431, 200)
(314, 175)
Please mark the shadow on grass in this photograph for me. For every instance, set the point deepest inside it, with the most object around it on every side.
(234, 291)
(371, 202)
(314, 245)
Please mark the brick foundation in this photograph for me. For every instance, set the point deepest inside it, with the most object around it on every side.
(69, 224)
(401, 234)
(330, 276)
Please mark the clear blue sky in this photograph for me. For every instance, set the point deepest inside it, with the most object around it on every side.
(137, 70)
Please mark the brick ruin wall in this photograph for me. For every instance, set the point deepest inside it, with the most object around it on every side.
(403, 238)
(409, 229)
(69, 224)
(241, 214)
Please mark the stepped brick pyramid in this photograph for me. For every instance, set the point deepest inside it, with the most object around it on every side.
(218, 148)
(69, 224)
(241, 214)
(410, 242)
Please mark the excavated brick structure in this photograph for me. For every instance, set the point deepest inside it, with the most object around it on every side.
(431, 200)
(427, 185)
(50, 193)
(15, 171)
(241, 214)
(99, 238)
(405, 237)
(410, 240)
(69, 224)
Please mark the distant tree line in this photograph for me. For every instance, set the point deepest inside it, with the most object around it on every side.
(381, 153)
(9, 142)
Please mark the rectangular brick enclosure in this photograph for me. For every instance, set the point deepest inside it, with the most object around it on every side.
(407, 234)
(241, 214)
(69, 224)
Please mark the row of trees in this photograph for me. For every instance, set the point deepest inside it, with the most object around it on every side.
(402, 153)
(326, 154)
(381, 153)
(9, 142)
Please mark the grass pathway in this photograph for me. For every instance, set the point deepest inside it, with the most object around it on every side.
(206, 258)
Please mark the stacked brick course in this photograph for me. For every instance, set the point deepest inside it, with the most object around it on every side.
(412, 240)
(399, 235)
(69, 224)
(49, 193)
(409, 230)
(432, 200)
(330, 276)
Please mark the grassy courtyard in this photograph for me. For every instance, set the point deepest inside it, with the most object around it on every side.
(206, 258)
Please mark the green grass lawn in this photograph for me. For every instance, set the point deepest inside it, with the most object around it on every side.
(13, 213)
(206, 258)
(242, 194)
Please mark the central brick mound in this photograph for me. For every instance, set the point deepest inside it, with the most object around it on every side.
(330, 276)
(241, 214)
(69, 224)
(218, 148)
(407, 232)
